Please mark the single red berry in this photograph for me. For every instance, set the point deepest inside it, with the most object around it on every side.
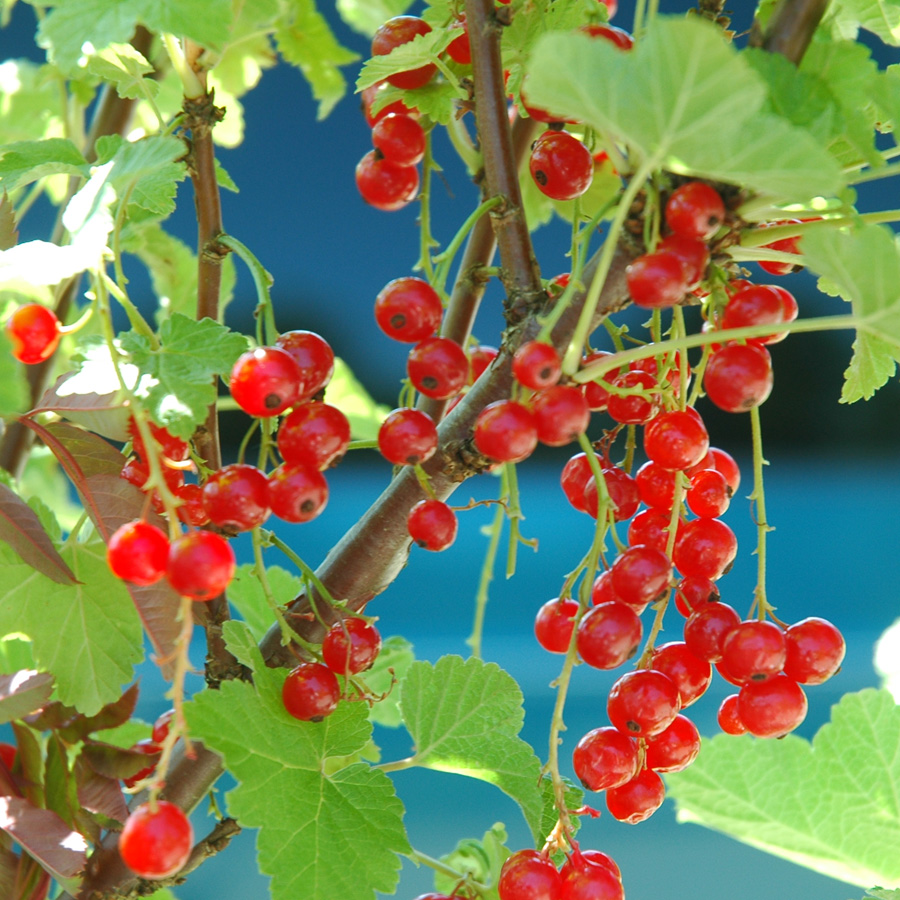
(643, 703)
(754, 651)
(616, 36)
(612, 7)
(695, 210)
(314, 356)
(201, 565)
(397, 31)
(459, 49)
(656, 485)
(622, 490)
(596, 392)
(561, 414)
(157, 840)
(536, 365)
(191, 511)
(399, 139)
(432, 525)
(694, 256)
(772, 707)
(146, 747)
(385, 185)
(605, 758)
(8, 754)
(676, 440)
(706, 629)
(603, 591)
(709, 495)
(351, 646)
(310, 692)
(637, 799)
(574, 477)
(265, 382)
(505, 431)
(738, 377)
(33, 331)
(586, 876)
(728, 718)
(815, 650)
(371, 94)
(675, 748)
(297, 493)
(657, 280)
(527, 875)
(437, 367)
(161, 726)
(651, 527)
(754, 304)
(725, 463)
(693, 592)
(785, 245)
(138, 552)
(641, 574)
(407, 437)
(608, 635)
(705, 547)
(236, 498)
(408, 309)
(691, 675)
(172, 448)
(480, 358)
(554, 624)
(639, 404)
(561, 165)
(314, 434)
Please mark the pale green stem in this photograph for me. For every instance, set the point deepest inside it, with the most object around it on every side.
(444, 260)
(265, 312)
(287, 633)
(762, 526)
(487, 576)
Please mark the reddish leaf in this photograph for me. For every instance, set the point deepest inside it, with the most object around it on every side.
(116, 762)
(23, 692)
(102, 413)
(44, 835)
(110, 716)
(22, 530)
(99, 795)
(9, 862)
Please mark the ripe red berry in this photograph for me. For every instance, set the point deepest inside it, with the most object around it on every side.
(755, 304)
(705, 547)
(33, 330)
(640, 404)
(432, 525)
(561, 166)
(554, 624)
(236, 497)
(314, 356)
(605, 758)
(785, 245)
(651, 527)
(815, 650)
(725, 463)
(608, 635)
(138, 552)
(480, 358)
(695, 210)
(694, 256)
(754, 651)
(772, 707)
(536, 365)
(622, 490)
(738, 377)
(191, 511)
(351, 646)
(505, 431)
(371, 94)
(675, 748)
(385, 185)
(706, 629)
(265, 382)
(591, 875)
(437, 367)
(676, 440)
(690, 674)
(408, 309)
(527, 875)
(459, 49)
(201, 565)
(157, 840)
(297, 493)
(728, 718)
(407, 437)
(643, 703)
(310, 692)
(657, 280)
(574, 476)
(396, 31)
(641, 574)
(399, 139)
(172, 448)
(314, 434)
(692, 593)
(161, 726)
(616, 36)
(561, 414)
(656, 485)
(709, 495)
(595, 392)
(637, 799)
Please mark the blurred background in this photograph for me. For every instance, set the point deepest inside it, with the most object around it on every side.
(832, 489)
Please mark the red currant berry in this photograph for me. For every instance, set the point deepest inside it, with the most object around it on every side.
(582, 880)
(709, 494)
(161, 726)
(561, 414)
(554, 624)
(408, 310)
(201, 565)
(676, 440)
(574, 477)
(172, 448)
(705, 547)
(157, 840)
(527, 875)
(622, 492)
(605, 758)
(657, 280)
(310, 692)
(395, 32)
(561, 166)
(314, 434)
(536, 365)
(236, 498)
(656, 485)
(407, 437)
(608, 635)
(695, 210)
(706, 629)
(754, 304)
(692, 593)
(651, 527)
(505, 431)
(640, 404)
(314, 356)
(297, 493)
(815, 650)
(371, 94)
(385, 185)
(785, 245)
(459, 49)
(602, 590)
(480, 358)
(138, 552)
(637, 799)
(432, 525)
(146, 747)
(738, 377)
(641, 574)
(265, 382)
(772, 707)
(595, 392)
(351, 646)
(754, 651)
(675, 748)
(691, 675)
(728, 718)
(725, 463)
(694, 256)
(643, 703)
(399, 139)
(191, 511)
(437, 367)
(33, 331)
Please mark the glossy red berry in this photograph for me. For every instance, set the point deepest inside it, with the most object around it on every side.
(815, 650)
(706, 629)
(725, 463)
(536, 365)
(641, 574)
(171, 447)
(738, 377)
(574, 477)
(505, 431)
(161, 726)
(201, 565)
(596, 392)
(33, 331)
(554, 624)
(676, 440)
(785, 245)
(459, 49)
(138, 552)
(651, 527)
(755, 304)
(608, 635)
(639, 404)
(407, 437)
(351, 646)
(399, 139)
(690, 674)
(191, 510)
(157, 840)
(622, 490)
(638, 799)
(437, 367)
(643, 703)
(400, 30)
(728, 718)
(692, 593)
(754, 650)
(561, 166)
(591, 875)
(385, 185)
(297, 493)
(656, 485)
(772, 707)
(695, 210)
(709, 495)
(314, 434)
(432, 525)
(527, 875)
(693, 254)
(369, 97)
(605, 758)
(236, 498)
(657, 280)
(705, 547)
(675, 748)
(265, 382)
(561, 414)
(480, 358)
(408, 309)
(310, 692)
(314, 356)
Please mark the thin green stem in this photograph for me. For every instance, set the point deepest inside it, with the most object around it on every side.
(308, 573)
(426, 241)
(487, 576)
(875, 174)
(762, 526)
(514, 511)
(135, 319)
(398, 765)
(259, 569)
(444, 260)
(265, 311)
(438, 866)
(462, 143)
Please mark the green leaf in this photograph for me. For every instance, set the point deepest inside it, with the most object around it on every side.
(881, 17)
(172, 266)
(465, 717)
(665, 101)
(305, 40)
(9, 233)
(13, 386)
(832, 805)
(355, 402)
(481, 860)
(24, 88)
(420, 51)
(245, 593)
(435, 100)
(126, 69)
(864, 264)
(883, 894)
(146, 172)
(335, 837)
(27, 161)
(87, 634)
(396, 656)
(177, 381)
(15, 653)
(367, 16)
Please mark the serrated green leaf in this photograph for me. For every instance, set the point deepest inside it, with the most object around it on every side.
(24, 88)
(422, 50)
(665, 101)
(333, 837)
(481, 860)
(224, 180)
(27, 161)
(883, 894)
(246, 594)
(306, 40)
(435, 100)
(464, 717)
(147, 172)
(832, 805)
(126, 69)
(177, 381)
(872, 365)
(574, 799)
(881, 17)
(354, 401)
(241, 641)
(88, 634)
(396, 656)
(172, 266)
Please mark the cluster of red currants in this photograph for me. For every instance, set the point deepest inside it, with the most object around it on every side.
(585, 875)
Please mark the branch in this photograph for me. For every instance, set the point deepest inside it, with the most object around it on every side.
(791, 28)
